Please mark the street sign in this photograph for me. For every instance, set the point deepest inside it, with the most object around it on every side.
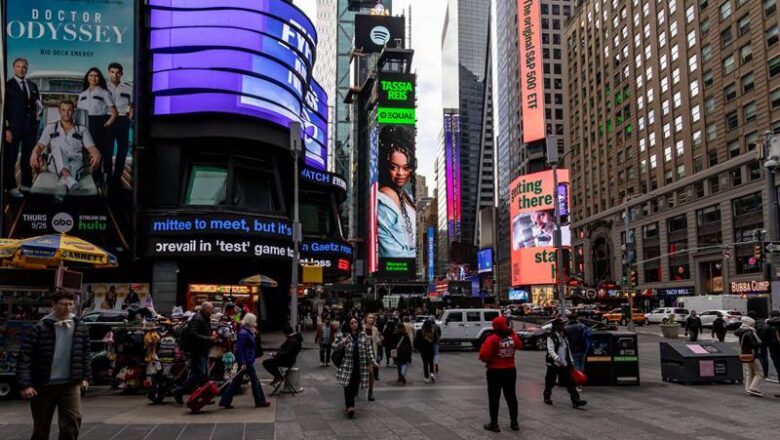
(772, 247)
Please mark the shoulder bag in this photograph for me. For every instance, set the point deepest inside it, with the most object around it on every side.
(394, 351)
(337, 357)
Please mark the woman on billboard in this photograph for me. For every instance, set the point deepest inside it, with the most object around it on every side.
(99, 104)
(396, 215)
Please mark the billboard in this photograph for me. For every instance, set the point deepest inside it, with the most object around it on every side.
(393, 182)
(69, 110)
(251, 58)
(531, 209)
(452, 171)
(531, 84)
(373, 32)
(485, 260)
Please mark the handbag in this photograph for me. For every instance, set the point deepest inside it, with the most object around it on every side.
(394, 351)
(746, 358)
(337, 357)
(578, 377)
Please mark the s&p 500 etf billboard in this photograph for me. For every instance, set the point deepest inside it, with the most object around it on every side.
(531, 90)
(531, 212)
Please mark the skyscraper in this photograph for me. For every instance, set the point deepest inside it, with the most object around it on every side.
(465, 49)
(325, 68)
(514, 157)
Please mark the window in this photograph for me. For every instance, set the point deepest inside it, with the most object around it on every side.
(707, 78)
(677, 99)
(692, 63)
(694, 88)
(663, 62)
(207, 186)
(774, 98)
(680, 171)
(749, 112)
(676, 76)
(725, 10)
(709, 105)
(653, 161)
(678, 124)
(729, 64)
(665, 107)
(754, 170)
(774, 66)
(734, 148)
(744, 25)
(691, 38)
(748, 82)
(695, 114)
(732, 121)
(673, 29)
(708, 225)
(712, 133)
(675, 52)
(697, 138)
(667, 130)
(706, 53)
(643, 166)
(747, 218)
(770, 6)
(726, 37)
(679, 148)
(746, 53)
(712, 156)
(730, 92)
(772, 35)
(664, 84)
(454, 317)
(705, 26)
(668, 154)
(690, 14)
(473, 317)
(255, 189)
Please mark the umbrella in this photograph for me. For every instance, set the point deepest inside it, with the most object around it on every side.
(259, 280)
(53, 250)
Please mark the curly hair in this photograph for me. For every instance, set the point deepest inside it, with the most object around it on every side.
(101, 78)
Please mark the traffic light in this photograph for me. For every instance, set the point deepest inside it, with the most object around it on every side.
(632, 277)
(757, 251)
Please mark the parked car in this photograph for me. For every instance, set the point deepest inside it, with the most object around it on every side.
(662, 314)
(617, 316)
(708, 316)
(467, 325)
(534, 336)
(590, 311)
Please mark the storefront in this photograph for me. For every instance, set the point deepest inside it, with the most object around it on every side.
(667, 297)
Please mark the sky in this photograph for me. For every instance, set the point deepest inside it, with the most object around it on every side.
(427, 20)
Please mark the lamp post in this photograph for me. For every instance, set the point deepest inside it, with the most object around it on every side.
(771, 153)
(296, 148)
(553, 160)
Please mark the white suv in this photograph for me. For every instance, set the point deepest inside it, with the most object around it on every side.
(662, 314)
(467, 325)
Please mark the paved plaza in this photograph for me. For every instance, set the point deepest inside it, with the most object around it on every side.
(453, 408)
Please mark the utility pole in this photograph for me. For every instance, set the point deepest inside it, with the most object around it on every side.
(553, 159)
(627, 269)
(771, 153)
(296, 148)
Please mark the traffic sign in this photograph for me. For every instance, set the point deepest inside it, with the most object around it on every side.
(771, 247)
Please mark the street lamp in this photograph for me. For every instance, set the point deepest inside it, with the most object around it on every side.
(553, 160)
(771, 155)
(626, 261)
(296, 148)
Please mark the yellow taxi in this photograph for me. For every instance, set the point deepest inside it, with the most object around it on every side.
(615, 316)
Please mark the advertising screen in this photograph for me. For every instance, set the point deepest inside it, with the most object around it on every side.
(373, 32)
(396, 218)
(518, 295)
(251, 58)
(452, 168)
(531, 209)
(531, 89)
(485, 261)
(69, 107)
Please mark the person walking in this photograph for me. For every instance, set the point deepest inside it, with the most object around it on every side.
(196, 343)
(559, 365)
(354, 372)
(693, 326)
(326, 333)
(425, 340)
(53, 369)
(409, 327)
(498, 354)
(772, 339)
(749, 344)
(375, 340)
(402, 351)
(719, 327)
(388, 338)
(245, 357)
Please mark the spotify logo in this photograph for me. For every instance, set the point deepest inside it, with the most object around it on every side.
(380, 35)
(62, 222)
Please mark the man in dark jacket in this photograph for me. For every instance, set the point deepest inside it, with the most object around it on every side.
(559, 364)
(772, 338)
(575, 333)
(719, 328)
(693, 326)
(199, 340)
(22, 108)
(54, 369)
(286, 355)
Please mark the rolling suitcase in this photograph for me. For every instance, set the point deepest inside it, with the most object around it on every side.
(205, 394)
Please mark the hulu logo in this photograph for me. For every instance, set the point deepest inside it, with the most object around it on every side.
(92, 225)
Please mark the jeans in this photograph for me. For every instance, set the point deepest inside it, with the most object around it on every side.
(325, 353)
(402, 368)
(753, 377)
(436, 353)
(563, 375)
(502, 380)
(199, 372)
(235, 385)
(579, 360)
(351, 390)
(66, 398)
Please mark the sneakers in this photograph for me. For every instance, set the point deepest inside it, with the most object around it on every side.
(547, 400)
(265, 404)
(579, 388)
(427, 380)
(322, 364)
(579, 403)
(755, 393)
(492, 427)
(433, 378)
(327, 364)
(515, 426)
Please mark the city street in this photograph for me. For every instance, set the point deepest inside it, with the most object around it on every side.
(454, 407)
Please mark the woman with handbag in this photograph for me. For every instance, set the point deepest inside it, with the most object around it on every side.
(402, 352)
(560, 365)
(749, 344)
(246, 350)
(498, 354)
(358, 359)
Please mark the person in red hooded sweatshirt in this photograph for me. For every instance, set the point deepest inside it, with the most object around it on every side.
(498, 354)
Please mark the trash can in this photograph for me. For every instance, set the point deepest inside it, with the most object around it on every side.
(699, 362)
(613, 359)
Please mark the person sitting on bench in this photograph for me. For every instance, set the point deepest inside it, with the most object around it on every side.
(286, 355)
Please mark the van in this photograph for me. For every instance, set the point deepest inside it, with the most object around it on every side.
(467, 325)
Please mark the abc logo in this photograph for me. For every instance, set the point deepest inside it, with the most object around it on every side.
(380, 35)
(62, 222)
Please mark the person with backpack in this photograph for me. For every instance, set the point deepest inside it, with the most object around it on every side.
(245, 356)
(498, 354)
(559, 365)
(196, 340)
(326, 333)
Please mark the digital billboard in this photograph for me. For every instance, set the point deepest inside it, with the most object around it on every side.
(69, 119)
(246, 57)
(452, 172)
(396, 218)
(485, 260)
(531, 213)
(531, 84)
(373, 32)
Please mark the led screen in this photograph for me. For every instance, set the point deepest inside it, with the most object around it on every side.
(528, 22)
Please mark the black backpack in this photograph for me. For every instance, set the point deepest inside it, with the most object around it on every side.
(183, 336)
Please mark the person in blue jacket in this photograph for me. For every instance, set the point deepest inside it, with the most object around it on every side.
(245, 357)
